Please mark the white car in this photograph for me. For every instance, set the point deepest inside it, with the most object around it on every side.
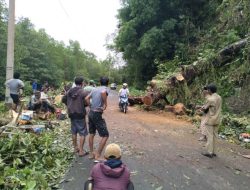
(113, 86)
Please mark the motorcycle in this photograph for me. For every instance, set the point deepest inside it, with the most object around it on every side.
(123, 104)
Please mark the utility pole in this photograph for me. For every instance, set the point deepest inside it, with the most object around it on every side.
(10, 48)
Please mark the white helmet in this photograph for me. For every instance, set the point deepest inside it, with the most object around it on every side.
(124, 84)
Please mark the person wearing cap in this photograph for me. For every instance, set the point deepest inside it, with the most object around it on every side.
(98, 98)
(212, 110)
(111, 174)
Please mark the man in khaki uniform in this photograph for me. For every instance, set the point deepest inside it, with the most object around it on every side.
(204, 116)
(212, 108)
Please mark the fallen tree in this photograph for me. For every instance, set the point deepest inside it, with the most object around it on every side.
(178, 82)
(189, 72)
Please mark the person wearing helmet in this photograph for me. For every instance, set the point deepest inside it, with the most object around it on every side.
(124, 90)
(123, 94)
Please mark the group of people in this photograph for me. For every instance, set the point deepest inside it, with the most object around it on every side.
(110, 172)
(39, 101)
(78, 98)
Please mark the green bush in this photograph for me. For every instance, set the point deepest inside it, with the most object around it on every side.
(3, 107)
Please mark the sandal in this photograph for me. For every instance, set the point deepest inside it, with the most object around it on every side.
(83, 154)
(92, 156)
(76, 150)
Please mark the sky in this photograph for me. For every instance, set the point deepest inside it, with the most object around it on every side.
(87, 21)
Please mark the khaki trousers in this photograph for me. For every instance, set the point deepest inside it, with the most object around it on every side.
(212, 133)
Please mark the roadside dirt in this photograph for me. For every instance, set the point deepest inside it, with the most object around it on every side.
(162, 152)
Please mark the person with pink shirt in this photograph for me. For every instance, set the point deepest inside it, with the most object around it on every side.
(111, 174)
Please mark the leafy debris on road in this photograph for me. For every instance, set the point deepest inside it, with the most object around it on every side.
(31, 161)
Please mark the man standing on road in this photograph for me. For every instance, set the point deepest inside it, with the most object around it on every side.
(98, 98)
(212, 108)
(75, 101)
(204, 116)
(15, 85)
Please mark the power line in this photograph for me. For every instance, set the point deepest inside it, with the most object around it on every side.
(64, 10)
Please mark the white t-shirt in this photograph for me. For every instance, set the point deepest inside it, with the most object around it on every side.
(123, 92)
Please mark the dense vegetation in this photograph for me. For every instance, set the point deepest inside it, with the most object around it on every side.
(30, 161)
(155, 31)
(158, 36)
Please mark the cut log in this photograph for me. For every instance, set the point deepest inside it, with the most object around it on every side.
(178, 109)
(132, 100)
(169, 108)
(147, 100)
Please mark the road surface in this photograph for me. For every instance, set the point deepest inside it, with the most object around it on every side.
(163, 153)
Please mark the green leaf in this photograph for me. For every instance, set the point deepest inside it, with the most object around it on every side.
(31, 185)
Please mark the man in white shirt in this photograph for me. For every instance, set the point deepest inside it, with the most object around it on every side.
(124, 90)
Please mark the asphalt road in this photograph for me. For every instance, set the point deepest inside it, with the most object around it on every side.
(163, 153)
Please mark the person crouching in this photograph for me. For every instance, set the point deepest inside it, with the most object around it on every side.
(111, 174)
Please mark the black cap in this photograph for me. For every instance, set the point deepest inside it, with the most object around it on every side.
(211, 87)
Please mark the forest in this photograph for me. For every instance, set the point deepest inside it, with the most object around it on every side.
(40, 57)
(159, 38)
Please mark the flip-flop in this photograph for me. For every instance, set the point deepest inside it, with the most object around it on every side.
(84, 154)
(92, 156)
(99, 160)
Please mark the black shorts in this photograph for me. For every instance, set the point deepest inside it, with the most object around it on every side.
(96, 122)
(15, 98)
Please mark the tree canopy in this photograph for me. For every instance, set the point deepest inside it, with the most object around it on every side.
(152, 31)
(40, 57)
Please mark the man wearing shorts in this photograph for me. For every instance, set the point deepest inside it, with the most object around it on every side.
(98, 98)
(15, 85)
(75, 101)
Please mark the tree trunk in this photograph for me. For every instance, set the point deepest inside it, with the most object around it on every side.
(189, 72)
(132, 100)
(185, 75)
